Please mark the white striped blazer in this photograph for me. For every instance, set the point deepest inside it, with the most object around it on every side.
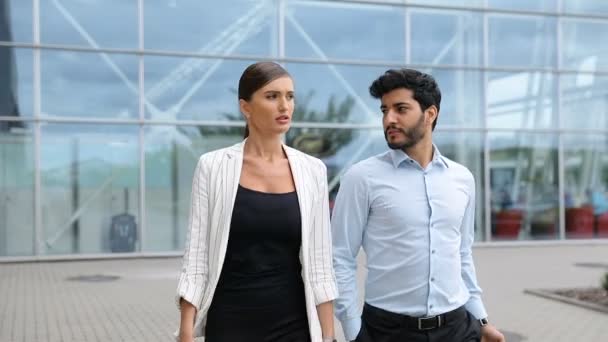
(214, 188)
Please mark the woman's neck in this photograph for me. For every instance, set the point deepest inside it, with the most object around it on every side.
(267, 148)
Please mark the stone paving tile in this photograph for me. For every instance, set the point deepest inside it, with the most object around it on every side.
(38, 303)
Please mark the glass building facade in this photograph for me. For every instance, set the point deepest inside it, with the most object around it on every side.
(105, 107)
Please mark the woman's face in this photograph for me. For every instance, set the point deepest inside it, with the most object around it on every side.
(270, 108)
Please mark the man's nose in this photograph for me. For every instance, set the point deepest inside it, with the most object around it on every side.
(390, 116)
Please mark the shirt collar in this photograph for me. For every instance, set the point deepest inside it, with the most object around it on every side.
(398, 157)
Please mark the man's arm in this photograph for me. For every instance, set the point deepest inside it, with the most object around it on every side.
(467, 230)
(349, 219)
(474, 305)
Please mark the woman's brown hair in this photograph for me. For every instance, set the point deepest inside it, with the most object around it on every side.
(256, 76)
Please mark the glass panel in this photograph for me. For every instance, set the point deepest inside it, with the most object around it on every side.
(88, 23)
(90, 188)
(525, 5)
(584, 101)
(347, 88)
(521, 100)
(524, 186)
(467, 149)
(89, 84)
(580, 46)
(341, 96)
(521, 41)
(16, 189)
(212, 27)
(195, 89)
(596, 7)
(325, 30)
(16, 21)
(171, 156)
(192, 88)
(16, 81)
(339, 148)
(586, 178)
(461, 103)
(454, 37)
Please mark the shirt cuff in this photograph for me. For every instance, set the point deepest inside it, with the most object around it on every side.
(351, 328)
(476, 308)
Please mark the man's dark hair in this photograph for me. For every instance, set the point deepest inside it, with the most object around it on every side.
(425, 88)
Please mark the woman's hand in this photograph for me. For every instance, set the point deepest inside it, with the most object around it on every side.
(186, 336)
(186, 326)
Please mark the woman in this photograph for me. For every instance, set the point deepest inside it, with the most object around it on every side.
(257, 264)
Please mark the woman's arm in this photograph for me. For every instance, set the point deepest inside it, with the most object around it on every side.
(186, 325)
(322, 277)
(326, 317)
(193, 277)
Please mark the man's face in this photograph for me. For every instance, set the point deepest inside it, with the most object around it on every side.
(404, 122)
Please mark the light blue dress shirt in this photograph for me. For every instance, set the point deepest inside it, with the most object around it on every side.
(416, 227)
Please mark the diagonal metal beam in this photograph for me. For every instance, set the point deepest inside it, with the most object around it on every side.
(91, 41)
(368, 111)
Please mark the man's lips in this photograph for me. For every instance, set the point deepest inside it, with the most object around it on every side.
(393, 131)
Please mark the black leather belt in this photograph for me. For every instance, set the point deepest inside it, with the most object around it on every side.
(418, 323)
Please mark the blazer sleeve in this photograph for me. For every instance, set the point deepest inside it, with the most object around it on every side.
(323, 278)
(194, 271)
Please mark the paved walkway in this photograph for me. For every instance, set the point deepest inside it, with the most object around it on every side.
(39, 302)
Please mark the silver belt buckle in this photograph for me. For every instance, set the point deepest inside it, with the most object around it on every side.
(438, 318)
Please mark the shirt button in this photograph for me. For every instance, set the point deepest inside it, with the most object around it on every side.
(432, 279)
(431, 306)
(433, 251)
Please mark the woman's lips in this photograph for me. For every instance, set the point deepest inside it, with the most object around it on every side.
(283, 119)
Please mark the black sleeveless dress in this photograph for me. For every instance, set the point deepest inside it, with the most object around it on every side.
(260, 294)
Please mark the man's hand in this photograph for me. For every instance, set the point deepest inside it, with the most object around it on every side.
(490, 334)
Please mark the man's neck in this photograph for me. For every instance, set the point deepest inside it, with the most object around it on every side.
(422, 152)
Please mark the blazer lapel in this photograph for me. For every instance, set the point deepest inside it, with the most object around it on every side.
(232, 164)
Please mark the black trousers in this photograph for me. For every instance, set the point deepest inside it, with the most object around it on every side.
(379, 325)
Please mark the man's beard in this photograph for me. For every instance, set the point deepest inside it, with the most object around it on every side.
(412, 136)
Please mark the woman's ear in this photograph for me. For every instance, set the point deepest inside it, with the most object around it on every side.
(245, 108)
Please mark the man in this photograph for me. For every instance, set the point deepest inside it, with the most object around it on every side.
(413, 212)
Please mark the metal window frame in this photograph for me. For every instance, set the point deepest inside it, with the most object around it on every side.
(142, 113)
(38, 229)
